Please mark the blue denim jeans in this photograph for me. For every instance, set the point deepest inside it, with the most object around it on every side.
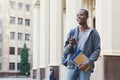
(77, 74)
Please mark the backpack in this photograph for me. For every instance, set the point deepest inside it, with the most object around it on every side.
(65, 57)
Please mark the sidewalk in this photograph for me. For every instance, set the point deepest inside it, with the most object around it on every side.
(15, 79)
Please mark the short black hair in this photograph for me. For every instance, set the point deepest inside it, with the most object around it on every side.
(85, 11)
(51, 69)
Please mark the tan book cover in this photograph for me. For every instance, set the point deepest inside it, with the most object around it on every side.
(79, 58)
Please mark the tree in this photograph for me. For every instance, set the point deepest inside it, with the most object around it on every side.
(24, 65)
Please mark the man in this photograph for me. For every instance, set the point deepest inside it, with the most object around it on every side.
(51, 76)
(88, 41)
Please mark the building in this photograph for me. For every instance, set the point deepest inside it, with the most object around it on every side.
(53, 19)
(15, 30)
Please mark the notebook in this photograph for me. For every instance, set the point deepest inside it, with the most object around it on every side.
(79, 58)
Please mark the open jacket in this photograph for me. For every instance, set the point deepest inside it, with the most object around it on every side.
(91, 48)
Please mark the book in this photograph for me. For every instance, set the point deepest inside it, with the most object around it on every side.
(79, 58)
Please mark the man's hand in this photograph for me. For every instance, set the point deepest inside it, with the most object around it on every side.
(72, 42)
(83, 66)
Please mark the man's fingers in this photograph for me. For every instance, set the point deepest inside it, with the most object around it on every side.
(72, 41)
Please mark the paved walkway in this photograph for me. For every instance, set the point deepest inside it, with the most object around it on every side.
(15, 79)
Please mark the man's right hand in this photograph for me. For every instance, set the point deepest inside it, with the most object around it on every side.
(72, 42)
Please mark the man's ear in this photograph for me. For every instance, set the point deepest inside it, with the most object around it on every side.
(87, 16)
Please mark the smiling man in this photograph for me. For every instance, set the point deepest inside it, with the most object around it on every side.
(88, 41)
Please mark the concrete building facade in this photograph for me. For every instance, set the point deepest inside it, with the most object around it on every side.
(54, 18)
(15, 30)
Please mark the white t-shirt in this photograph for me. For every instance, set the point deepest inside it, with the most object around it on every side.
(82, 38)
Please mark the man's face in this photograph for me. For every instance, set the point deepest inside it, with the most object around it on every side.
(81, 17)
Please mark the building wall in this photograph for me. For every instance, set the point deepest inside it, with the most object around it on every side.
(7, 27)
(36, 41)
(0, 32)
(107, 24)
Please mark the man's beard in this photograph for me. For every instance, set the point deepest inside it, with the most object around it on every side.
(81, 23)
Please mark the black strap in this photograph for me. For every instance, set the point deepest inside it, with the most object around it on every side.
(77, 32)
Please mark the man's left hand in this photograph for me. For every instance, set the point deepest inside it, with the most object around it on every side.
(83, 66)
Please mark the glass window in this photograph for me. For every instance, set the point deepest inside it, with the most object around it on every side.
(29, 51)
(0, 52)
(12, 35)
(0, 37)
(18, 51)
(20, 21)
(12, 20)
(11, 50)
(20, 6)
(0, 23)
(27, 22)
(12, 4)
(27, 37)
(11, 66)
(20, 36)
(18, 66)
(27, 7)
(0, 8)
(0, 66)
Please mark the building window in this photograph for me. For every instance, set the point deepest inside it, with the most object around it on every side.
(20, 6)
(94, 25)
(20, 36)
(27, 7)
(0, 66)
(20, 21)
(0, 37)
(0, 52)
(27, 22)
(12, 35)
(27, 37)
(12, 20)
(12, 4)
(0, 23)
(0, 8)
(18, 66)
(11, 66)
(12, 50)
(29, 51)
(18, 51)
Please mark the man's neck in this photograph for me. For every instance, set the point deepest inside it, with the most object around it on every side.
(84, 27)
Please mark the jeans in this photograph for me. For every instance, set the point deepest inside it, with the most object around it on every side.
(77, 74)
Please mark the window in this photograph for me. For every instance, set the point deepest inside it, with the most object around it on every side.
(0, 23)
(27, 7)
(12, 51)
(11, 66)
(12, 20)
(0, 66)
(12, 4)
(27, 37)
(0, 37)
(20, 6)
(18, 66)
(0, 8)
(27, 22)
(94, 25)
(20, 21)
(29, 51)
(12, 35)
(18, 51)
(20, 36)
(0, 52)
